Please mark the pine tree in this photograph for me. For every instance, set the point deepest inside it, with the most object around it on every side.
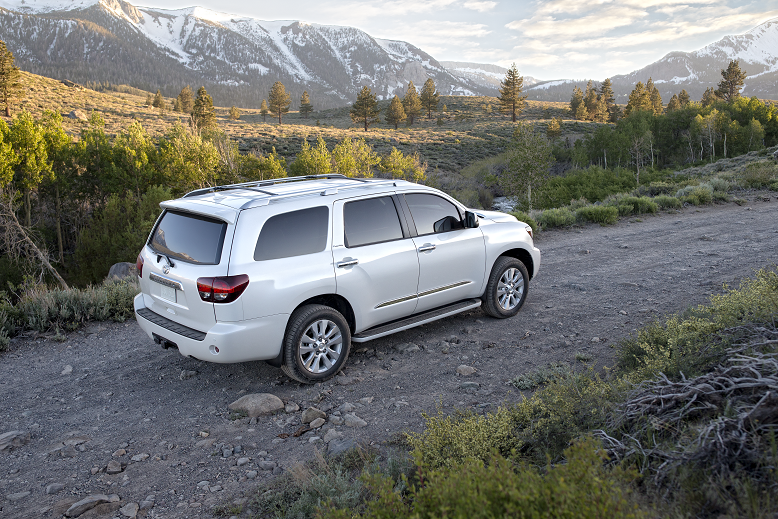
(576, 101)
(554, 129)
(234, 113)
(203, 114)
(186, 100)
(411, 103)
(655, 97)
(608, 97)
(263, 111)
(396, 114)
(581, 113)
(511, 88)
(684, 98)
(158, 102)
(709, 97)
(590, 100)
(177, 105)
(279, 100)
(731, 83)
(149, 100)
(639, 100)
(305, 105)
(674, 104)
(429, 97)
(365, 109)
(10, 82)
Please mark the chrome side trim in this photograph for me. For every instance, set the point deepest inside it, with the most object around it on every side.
(165, 281)
(441, 289)
(395, 301)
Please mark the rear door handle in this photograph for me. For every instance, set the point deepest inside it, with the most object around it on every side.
(426, 247)
(347, 263)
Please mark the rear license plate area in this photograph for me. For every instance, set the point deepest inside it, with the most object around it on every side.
(167, 293)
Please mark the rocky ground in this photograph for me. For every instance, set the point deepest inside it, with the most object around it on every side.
(109, 416)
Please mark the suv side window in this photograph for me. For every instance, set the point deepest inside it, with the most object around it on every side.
(293, 234)
(433, 214)
(369, 221)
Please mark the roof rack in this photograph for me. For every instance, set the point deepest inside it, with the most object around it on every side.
(270, 182)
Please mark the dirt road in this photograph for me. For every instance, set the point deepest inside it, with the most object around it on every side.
(108, 394)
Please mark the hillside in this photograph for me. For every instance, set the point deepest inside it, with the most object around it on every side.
(236, 58)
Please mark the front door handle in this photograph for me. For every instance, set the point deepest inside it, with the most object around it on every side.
(347, 263)
(426, 247)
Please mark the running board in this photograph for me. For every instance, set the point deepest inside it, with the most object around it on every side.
(416, 320)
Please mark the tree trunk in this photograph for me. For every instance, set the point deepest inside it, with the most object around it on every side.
(365, 123)
(27, 209)
(60, 245)
(605, 154)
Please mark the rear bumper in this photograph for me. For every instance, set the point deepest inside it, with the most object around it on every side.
(254, 339)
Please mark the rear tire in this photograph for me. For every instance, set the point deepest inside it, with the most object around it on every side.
(316, 345)
(506, 289)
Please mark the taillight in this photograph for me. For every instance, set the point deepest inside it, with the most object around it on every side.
(222, 289)
(139, 265)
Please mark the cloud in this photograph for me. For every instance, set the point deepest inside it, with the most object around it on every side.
(601, 22)
(480, 6)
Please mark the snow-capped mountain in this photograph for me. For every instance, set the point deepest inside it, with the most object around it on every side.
(236, 58)
(488, 77)
(756, 50)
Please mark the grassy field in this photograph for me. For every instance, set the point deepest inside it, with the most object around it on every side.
(469, 129)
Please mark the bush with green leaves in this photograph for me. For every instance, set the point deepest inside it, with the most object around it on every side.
(758, 175)
(540, 376)
(601, 214)
(667, 202)
(628, 205)
(555, 218)
(701, 194)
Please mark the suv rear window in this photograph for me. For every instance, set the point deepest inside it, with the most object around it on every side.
(296, 233)
(188, 237)
(371, 221)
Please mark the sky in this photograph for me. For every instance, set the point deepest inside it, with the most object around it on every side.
(546, 39)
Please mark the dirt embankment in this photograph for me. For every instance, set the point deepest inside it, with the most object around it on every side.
(108, 395)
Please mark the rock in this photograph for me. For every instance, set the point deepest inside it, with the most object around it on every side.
(453, 340)
(79, 115)
(623, 312)
(85, 504)
(114, 467)
(257, 404)
(226, 453)
(406, 347)
(312, 414)
(187, 374)
(291, 407)
(119, 452)
(314, 439)
(352, 420)
(215, 488)
(469, 385)
(347, 407)
(17, 496)
(251, 474)
(119, 271)
(346, 381)
(13, 439)
(129, 510)
(148, 503)
(317, 423)
(277, 471)
(67, 370)
(242, 461)
(53, 488)
(465, 370)
(140, 457)
(266, 465)
(337, 447)
(332, 434)
(468, 330)
(595, 339)
(336, 420)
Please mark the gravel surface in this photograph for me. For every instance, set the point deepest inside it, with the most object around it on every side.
(144, 430)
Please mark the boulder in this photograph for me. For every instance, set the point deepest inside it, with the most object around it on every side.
(13, 439)
(312, 414)
(79, 115)
(258, 404)
(122, 270)
(85, 504)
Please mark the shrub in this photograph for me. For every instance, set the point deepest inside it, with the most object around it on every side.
(541, 376)
(667, 202)
(603, 215)
(759, 174)
(524, 217)
(696, 195)
(556, 218)
(655, 188)
(719, 184)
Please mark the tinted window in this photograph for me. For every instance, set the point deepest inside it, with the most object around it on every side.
(433, 214)
(188, 237)
(369, 221)
(293, 234)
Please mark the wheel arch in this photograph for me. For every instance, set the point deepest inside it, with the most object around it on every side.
(524, 256)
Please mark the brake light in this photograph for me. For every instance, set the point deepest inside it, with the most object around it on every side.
(224, 289)
(139, 265)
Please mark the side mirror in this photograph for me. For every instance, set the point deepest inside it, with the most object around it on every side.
(471, 220)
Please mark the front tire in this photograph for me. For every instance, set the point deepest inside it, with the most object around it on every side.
(316, 345)
(506, 289)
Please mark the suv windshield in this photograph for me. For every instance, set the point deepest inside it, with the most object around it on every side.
(189, 237)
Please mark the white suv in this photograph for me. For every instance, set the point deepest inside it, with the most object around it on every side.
(292, 271)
